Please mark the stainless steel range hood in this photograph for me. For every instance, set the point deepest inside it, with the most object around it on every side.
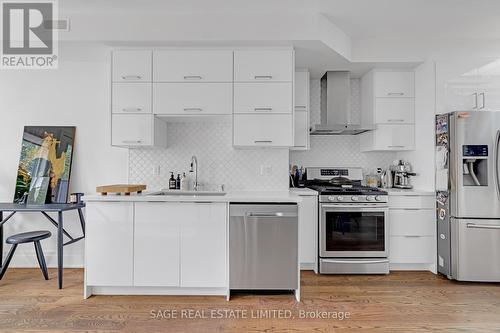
(335, 101)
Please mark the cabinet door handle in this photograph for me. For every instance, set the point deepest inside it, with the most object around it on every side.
(395, 94)
(131, 77)
(263, 141)
(263, 77)
(395, 146)
(475, 98)
(193, 77)
(412, 236)
(482, 226)
(263, 109)
(132, 109)
(484, 100)
(131, 141)
(396, 120)
(193, 109)
(300, 107)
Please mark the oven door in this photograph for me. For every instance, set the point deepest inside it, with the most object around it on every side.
(350, 232)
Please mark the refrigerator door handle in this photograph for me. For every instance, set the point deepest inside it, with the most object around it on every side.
(496, 156)
(482, 226)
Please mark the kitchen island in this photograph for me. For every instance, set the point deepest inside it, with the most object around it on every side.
(154, 244)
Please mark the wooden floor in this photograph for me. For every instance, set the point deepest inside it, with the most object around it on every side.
(400, 302)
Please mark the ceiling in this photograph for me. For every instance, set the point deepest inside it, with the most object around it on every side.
(360, 19)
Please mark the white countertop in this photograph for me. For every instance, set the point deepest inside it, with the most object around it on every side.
(303, 191)
(399, 191)
(231, 196)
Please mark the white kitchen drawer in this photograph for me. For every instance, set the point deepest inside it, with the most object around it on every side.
(394, 84)
(193, 65)
(132, 130)
(412, 222)
(131, 98)
(412, 250)
(192, 98)
(394, 110)
(263, 65)
(301, 90)
(261, 97)
(301, 130)
(412, 201)
(266, 130)
(132, 66)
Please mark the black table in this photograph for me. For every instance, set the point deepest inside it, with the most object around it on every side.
(44, 209)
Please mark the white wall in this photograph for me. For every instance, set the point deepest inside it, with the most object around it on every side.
(77, 94)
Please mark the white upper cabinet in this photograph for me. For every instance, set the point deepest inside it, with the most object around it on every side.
(137, 130)
(193, 66)
(263, 65)
(301, 90)
(394, 111)
(471, 84)
(389, 137)
(132, 66)
(301, 112)
(131, 98)
(388, 106)
(263, 97)
(270, 130)
(394, 84)
(192, 98)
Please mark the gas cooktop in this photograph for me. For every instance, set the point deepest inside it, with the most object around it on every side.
(346, 189)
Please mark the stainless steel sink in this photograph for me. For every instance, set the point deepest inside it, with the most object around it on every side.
(189, 193)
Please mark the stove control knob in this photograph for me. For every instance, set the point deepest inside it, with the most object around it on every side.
(354, 198)
(330, 198)
(369, 198)
(378, 198)
(340, 198)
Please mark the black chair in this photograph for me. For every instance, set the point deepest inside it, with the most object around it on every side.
(27, 237)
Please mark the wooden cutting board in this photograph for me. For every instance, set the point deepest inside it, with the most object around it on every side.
(120, 188)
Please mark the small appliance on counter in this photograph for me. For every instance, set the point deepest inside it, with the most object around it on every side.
(402, 172)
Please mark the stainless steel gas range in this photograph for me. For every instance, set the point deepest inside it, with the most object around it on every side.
(353, 222)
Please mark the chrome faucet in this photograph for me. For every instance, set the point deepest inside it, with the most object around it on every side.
(194, 164)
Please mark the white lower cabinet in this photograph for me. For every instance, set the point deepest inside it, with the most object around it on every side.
(203, 245)
(109, 244)
(412, 230)
(269, 130)
(157, 244)
(308, 231)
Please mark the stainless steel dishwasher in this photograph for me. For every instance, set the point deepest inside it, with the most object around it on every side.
(263, 247)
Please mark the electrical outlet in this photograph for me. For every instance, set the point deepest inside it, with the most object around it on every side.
(156, 170)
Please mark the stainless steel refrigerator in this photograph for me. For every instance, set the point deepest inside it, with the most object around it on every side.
(468, 195)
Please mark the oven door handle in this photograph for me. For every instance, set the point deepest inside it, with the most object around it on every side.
(355, 261)
(350, 208)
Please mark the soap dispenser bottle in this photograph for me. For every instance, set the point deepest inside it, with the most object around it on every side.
(184, 182)
(171, 181)
(178, 182)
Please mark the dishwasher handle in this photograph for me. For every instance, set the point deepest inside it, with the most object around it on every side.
(277, 214)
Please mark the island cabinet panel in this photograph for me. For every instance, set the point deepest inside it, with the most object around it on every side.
(203, 246)
(180, 244)
(109, 243)
(156, 244)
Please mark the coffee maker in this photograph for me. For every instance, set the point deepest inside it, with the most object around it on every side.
(402, 172)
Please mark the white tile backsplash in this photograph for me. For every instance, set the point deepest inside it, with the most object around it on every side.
(339, 150)
(218, 161)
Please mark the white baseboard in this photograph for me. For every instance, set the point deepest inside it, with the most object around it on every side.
(94, 290)
(307, 266)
